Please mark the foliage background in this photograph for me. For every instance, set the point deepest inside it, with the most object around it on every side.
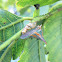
(10, 6)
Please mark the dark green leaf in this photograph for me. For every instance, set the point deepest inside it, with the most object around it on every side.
(7, 57)
(18, 48)
(23, 10)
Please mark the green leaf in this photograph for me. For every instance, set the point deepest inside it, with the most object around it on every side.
(7, 18)
(53, 36)
(33, 51)
(10, 24)
(0, 3)
(4, 4)
(7, 3)
(56, 7)
(23, 10)
(17, 48)
(33, 2)
(10, 2)
(8, 28)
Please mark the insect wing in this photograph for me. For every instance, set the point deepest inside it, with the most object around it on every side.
(28, 33)
(40, 37)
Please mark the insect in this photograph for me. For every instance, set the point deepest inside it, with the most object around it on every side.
(34, 33)
(28, 27)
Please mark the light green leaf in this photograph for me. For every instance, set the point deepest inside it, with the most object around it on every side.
(56, 7)
(0, 3)
(17, 48)
(6, 3)
(7, 57)
(33, 2)
(10, 24)
(33, 51)
(53, 36)
(23, 10)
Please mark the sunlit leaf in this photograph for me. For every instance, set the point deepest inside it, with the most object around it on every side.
(23, 10)
(53, 36)
(33, 2)
(33, 51)
(7, 57)
(17, 48)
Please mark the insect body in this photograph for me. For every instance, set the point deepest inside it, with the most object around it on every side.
(34, 33)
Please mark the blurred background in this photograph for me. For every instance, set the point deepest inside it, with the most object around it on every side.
(11, 6)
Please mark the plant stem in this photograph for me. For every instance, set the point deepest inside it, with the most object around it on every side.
(36, 12)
